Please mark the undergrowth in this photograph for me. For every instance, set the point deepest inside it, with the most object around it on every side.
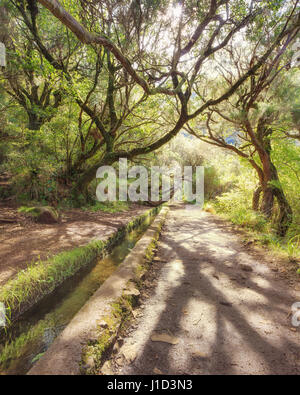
(235, 207)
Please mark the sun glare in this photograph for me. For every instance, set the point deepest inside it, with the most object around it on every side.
(175, 12)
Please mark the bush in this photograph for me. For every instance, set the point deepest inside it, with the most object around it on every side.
(236, 207)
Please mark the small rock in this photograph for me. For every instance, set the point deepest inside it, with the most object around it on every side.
(199, 354)
(164, 337)
(103, 324)
(115, 349)
(43, 215)
(131, 289)
(129, 352)
(157, 371)
(90, 362)
(106, 368)
(119, 360)
(158, 259)
(246, 268)
(142, 274)
(226, 303)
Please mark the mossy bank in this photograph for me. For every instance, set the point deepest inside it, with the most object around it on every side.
(94, 328)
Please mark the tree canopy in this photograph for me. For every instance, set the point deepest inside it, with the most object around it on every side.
(89, 82)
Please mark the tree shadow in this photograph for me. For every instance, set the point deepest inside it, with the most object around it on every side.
(237, 337)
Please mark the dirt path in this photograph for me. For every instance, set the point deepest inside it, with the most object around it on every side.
(228, 309)
(25, 241)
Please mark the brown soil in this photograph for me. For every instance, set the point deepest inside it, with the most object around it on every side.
(226, 306)
(23, 241)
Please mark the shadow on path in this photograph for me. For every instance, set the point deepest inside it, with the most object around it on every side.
(227, 320)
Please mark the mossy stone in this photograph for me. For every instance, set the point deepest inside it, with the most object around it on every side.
(43, 215)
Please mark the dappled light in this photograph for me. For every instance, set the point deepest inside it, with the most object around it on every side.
(226, 322)
(149, 190)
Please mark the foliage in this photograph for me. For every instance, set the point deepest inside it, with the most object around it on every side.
(89, 105)
(236, 207)
(153, 83)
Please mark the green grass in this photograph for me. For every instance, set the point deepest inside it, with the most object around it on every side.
(260, 230)
(36, 211)
(42, 277)
(248, 219)
(28, 210)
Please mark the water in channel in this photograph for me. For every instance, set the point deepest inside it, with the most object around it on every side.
(32, 335)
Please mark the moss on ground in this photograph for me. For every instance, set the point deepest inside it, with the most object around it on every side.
(114, 323)
(45, 214)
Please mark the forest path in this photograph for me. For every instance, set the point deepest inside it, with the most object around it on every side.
(226, 309)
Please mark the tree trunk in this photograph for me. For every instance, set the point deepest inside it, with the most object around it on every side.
(285, 212)
(273, 189)
(267, 201)
(255, 198)
(34, 122)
